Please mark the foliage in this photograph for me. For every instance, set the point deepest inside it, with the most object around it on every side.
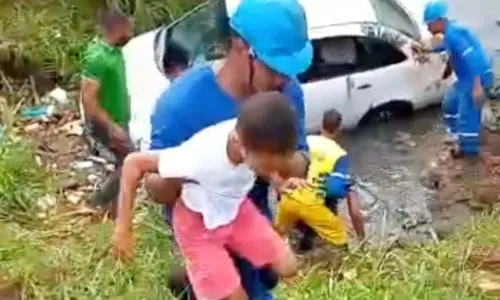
(53, 33)
(22, 183)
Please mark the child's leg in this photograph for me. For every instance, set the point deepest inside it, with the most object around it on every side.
(255, 239)
(210, 269)
(325, 223)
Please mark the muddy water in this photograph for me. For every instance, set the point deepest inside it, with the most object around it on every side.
(389, 159)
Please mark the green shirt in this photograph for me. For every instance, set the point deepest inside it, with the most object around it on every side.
(105, 64)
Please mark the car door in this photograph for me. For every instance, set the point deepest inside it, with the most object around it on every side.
(324, 83)
(384, 74)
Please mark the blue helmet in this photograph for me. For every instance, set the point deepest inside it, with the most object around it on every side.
(435, 10)
(276, 32)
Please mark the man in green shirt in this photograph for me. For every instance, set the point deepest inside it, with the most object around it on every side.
(105, 98)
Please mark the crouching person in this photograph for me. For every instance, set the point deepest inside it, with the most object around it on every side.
(328, 181)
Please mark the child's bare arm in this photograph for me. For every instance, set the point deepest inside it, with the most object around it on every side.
(354, 207)
(135, 166)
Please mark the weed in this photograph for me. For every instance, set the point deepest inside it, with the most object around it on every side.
(22, 183)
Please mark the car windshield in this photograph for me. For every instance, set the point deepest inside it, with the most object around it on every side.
(390, 13)
(202, 33)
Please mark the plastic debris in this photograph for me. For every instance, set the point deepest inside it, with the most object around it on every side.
(82, 165)
(58, 96)
(38, 112)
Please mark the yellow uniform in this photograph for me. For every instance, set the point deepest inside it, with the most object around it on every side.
(308, 204)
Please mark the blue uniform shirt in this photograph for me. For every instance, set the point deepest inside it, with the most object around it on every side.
(195, 101)
(468, 56)
(339, 182)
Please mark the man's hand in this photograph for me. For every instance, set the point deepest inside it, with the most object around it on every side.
(478, 91)
(123, 243)
(294, 183)
(119, 138)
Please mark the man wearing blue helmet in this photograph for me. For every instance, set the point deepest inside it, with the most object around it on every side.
(472, 65)
(262, 56)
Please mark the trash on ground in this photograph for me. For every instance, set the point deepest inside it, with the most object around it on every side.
(73, 128)
(98, 160)
(82, 165)
(38, 112)
(57, 95)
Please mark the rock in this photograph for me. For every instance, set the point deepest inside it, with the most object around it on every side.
(75, 197)
(46, 202)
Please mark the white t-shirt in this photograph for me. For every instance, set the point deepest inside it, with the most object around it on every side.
(219, 187)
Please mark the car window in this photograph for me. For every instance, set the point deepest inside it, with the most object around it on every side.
(202, 34)
(333, 57)
(376, 53)
(390, 13)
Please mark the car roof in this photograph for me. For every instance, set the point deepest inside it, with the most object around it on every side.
(321, 13)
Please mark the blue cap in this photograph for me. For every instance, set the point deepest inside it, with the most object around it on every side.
(276, 31)
(435, 10)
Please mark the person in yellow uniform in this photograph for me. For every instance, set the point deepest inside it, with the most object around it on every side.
(328, 181)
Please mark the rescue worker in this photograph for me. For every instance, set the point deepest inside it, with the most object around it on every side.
(473, 67)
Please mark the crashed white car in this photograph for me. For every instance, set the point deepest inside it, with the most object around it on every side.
(363, 64)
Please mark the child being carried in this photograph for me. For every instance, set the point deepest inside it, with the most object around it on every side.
(217, 168)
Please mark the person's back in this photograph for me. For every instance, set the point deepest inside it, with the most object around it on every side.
(456, 31)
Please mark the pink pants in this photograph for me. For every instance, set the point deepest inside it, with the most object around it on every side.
(210, 268)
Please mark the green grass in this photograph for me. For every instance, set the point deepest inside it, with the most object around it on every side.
(66, 256)
(22, 183)
(431, 272)
(53, 33)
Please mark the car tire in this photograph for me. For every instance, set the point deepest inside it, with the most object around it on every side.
(387, 112)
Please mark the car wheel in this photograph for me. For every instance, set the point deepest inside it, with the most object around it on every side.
(383, 116)
(388, 112)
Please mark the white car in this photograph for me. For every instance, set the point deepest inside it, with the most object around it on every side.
(363, 64)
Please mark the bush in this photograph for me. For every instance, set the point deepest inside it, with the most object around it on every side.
(53, 33)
